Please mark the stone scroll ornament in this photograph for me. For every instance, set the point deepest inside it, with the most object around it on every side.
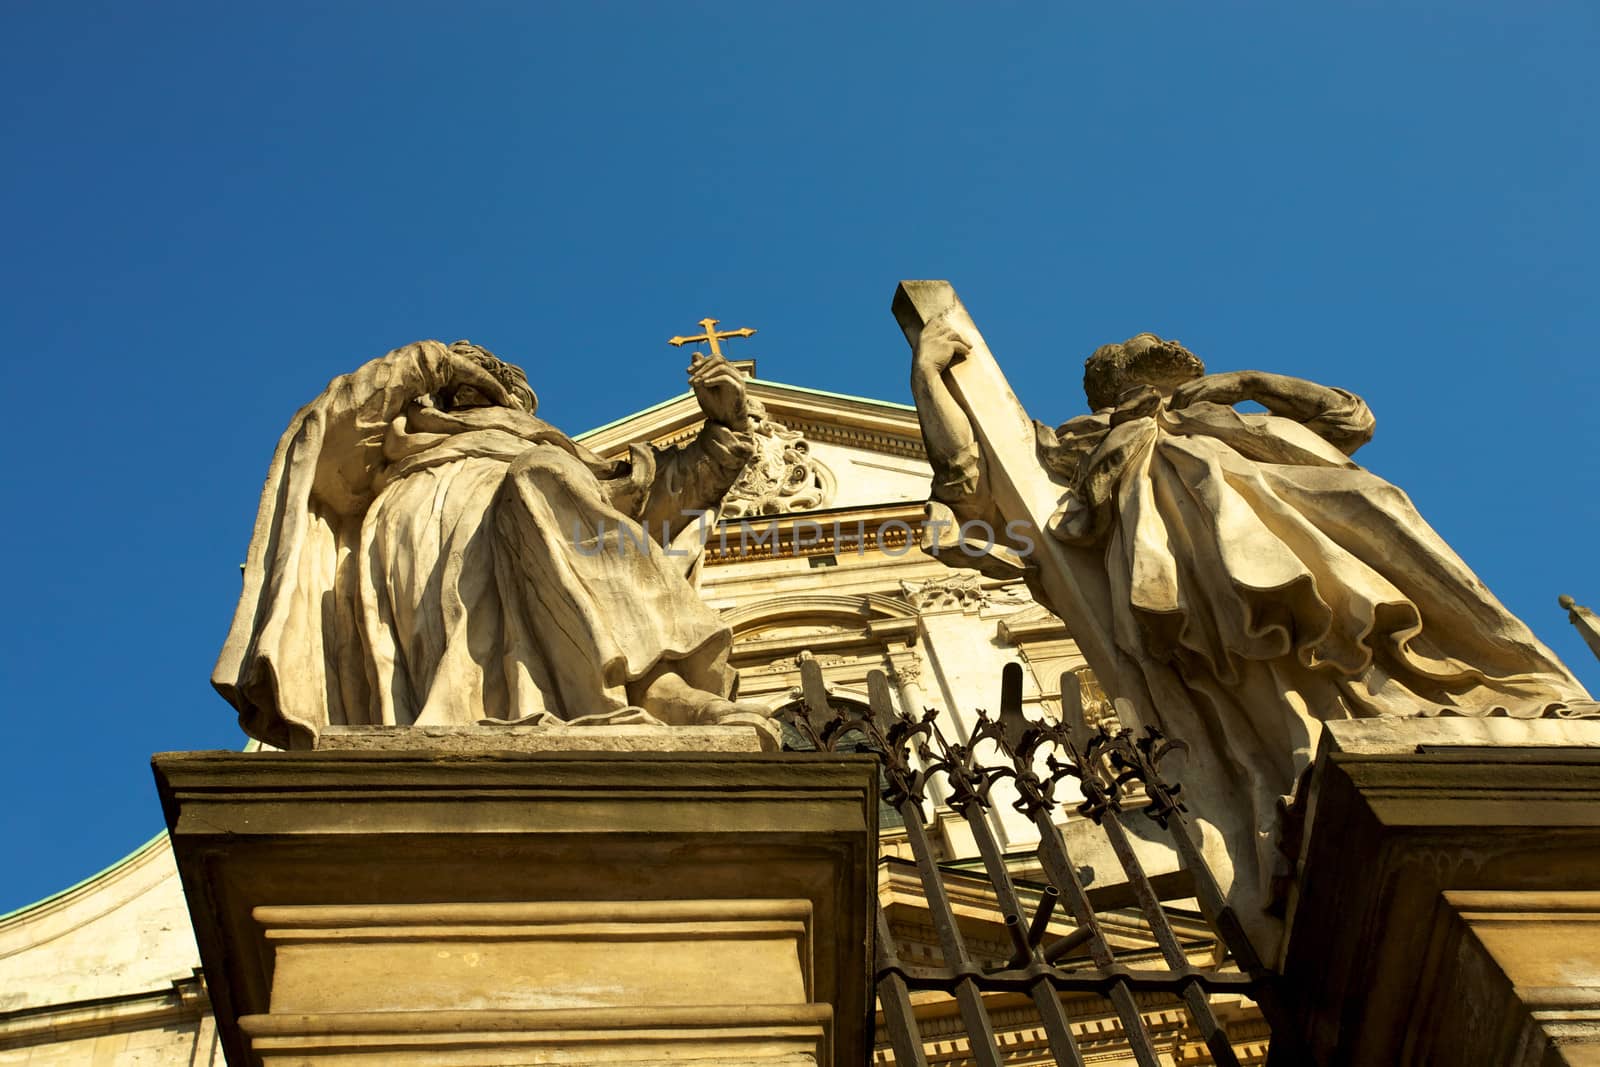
(429, 552)
(781, 477)
(1237, 572)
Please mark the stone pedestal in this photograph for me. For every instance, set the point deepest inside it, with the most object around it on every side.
(1445, 910)
(539, 907)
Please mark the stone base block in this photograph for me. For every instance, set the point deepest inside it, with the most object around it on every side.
(421, 908)
(619, 737)
(1517, 972)
(637, 1037)
(1444, 910)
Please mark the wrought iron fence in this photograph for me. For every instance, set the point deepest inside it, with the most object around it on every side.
(1111, 765)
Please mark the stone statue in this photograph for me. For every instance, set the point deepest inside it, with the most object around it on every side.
(428, 552)
(1246, 555)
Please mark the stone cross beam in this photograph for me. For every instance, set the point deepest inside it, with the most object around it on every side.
(1586, 621)
(1071, 581)
(1020, 487)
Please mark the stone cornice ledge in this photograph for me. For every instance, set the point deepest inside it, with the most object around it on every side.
(184, 1001)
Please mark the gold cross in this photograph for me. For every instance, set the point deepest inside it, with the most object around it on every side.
(712, 335)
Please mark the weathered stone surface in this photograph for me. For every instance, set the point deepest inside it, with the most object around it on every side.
(487, 740)
(1587, 622)
(427, 551)
(125, 933)
(1409, 822)
(1396, 736)
(294, 851)
(638, 1037)
(397, 957)
(1518, 981)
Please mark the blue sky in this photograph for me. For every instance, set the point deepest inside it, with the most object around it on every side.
(210, 210)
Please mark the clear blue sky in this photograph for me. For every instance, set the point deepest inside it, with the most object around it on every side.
(210, 210)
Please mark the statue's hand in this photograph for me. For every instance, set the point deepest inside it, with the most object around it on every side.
(463, 376)
(719, 387)
(938, 347)
(1227, 388)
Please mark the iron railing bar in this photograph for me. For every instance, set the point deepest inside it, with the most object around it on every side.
(1212, 901)
(1057, 1027)
(905, 1037)
(1111, 765)
(1211, 1029)
(985, 1048)
(1194, 996)
(974, 1013)
(1057, 864)
(969, 999)
(969, 996)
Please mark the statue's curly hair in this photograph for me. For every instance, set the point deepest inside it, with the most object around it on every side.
(507, 374)
(1143, 359)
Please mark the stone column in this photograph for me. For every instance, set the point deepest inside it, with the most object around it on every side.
(905, 671)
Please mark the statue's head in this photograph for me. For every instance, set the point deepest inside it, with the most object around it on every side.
(1143, 359)
(507, 374)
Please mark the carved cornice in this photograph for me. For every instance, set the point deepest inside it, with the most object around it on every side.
(184, 1001)
(867, 440)
(891, 530)
(883, 616)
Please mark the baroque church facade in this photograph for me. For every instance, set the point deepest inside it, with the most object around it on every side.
(815, 557)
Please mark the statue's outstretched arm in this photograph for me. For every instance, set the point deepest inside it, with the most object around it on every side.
(1341, 418)
(694, 477)
(947, 434)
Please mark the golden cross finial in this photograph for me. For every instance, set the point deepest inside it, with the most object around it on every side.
(712, 335)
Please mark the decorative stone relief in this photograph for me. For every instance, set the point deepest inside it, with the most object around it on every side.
(1097, 707)
(783, 476)
(960, 589)
(905, 670)
(821, 661)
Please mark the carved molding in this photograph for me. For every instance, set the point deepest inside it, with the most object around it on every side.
(961, 589)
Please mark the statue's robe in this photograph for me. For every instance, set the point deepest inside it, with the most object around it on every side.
(1286, 584)
(411, 565)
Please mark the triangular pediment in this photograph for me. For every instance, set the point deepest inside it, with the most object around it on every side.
(859, 451)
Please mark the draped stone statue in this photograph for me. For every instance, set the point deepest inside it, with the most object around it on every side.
(1235, 571)
(428, 551)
